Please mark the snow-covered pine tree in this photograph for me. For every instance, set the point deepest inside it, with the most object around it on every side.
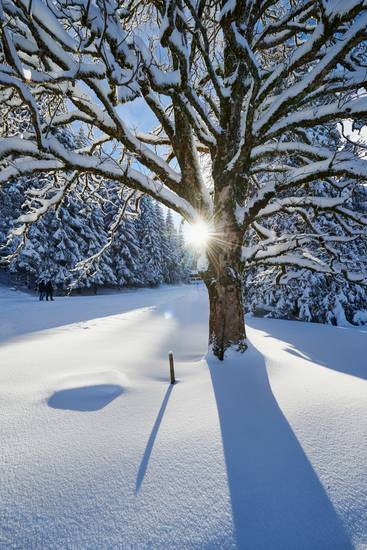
(163, 243)
(184, 257)
(151, 261)
(54, 243)
(61, 237)
(126, 255)
(93, 237)
(172, 258)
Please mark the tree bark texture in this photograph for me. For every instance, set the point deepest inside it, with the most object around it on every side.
(223, 280)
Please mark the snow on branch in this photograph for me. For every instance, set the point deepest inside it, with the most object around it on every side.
(218, 110)
(315, 265)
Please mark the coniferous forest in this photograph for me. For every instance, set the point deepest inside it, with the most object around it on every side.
(88, 242)
(147, 250)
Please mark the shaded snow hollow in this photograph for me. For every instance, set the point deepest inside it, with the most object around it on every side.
(98, 451)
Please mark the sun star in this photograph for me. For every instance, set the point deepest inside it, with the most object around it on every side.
(197, 234)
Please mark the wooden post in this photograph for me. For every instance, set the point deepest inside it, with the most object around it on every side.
(171, 367)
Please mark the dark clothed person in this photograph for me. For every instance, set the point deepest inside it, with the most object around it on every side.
(49, 291)
(41, 290)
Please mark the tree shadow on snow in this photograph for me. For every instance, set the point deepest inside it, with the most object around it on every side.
(26, 314)
(85, 399)
(337, 348)
(277, 499)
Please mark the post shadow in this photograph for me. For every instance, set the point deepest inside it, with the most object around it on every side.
(153, 434)
(277, 500)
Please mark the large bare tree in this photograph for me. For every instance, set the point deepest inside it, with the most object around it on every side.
(235, 91)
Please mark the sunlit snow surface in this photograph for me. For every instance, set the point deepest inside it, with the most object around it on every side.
(98, 451)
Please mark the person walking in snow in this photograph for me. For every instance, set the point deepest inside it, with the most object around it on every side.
(41, 290)
(49, 291)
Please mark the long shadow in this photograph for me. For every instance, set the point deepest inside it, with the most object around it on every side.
(149, 448)
(277, 499)
(22, 314)
(337, 348)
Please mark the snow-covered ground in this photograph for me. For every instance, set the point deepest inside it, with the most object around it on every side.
(98, 451)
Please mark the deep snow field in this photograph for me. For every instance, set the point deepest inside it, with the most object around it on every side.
(267, 450)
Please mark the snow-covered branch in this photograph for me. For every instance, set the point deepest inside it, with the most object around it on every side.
(223, 111)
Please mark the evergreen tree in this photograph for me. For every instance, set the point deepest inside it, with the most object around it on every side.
(162, 242)
(184, 258)
(151, 255)
(126, 254)
(172, 258)
(93, 233)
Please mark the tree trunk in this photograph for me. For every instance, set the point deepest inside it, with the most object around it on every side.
(224, 284)
(226, 315)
